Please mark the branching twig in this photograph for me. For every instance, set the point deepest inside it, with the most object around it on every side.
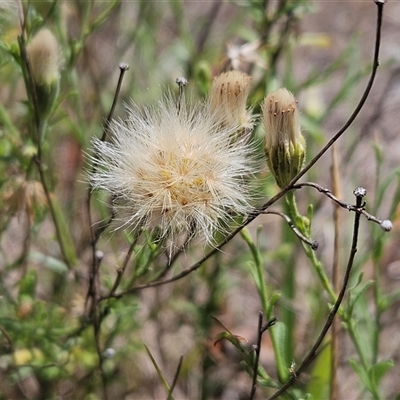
(92, 291)
(375, 65)
(122, 269)
(359, 193)
(93, 288)
(312, 243)
(385, 224)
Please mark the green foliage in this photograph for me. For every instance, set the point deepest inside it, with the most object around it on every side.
(89, 311)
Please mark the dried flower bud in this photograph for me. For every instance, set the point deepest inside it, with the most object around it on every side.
(45, 60)
(20, 195)
(386, 225)
(228, 96)
(360, 191)
(285, 146)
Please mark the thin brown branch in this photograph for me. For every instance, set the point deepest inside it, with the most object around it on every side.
(121, 270)
(261, 329)
(123, 67)
(92, 295)
(94, 236)
(385, 224)
(257, 359)
(361, 103)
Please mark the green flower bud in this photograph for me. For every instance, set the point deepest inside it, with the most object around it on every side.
(285, 147)
(45, 59)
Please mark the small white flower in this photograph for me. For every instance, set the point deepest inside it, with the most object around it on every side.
(247, 53)
(175, 168)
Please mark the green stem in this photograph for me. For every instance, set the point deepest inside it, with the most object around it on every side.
(298, 219)
(63, 237)
(268, 303)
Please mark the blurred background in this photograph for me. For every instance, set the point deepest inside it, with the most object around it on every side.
(320, 50)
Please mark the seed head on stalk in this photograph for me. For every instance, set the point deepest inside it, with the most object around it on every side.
(175, 168)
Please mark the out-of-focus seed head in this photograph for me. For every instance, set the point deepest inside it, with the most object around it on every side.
(285, 146)
(45, 61)
(20, 195)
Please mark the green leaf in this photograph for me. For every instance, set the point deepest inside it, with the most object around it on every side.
(159, 372)
(279, 339)
(27, 285)
(357, 367)
(51, 263)
(378, 371)
(318, 386)
(355, 294)
(234, 339)
(67, 244)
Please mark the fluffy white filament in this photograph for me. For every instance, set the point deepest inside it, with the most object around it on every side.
(175, 168)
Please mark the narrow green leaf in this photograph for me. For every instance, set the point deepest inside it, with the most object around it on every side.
(361, 373)
(67, 244)
(51, 263)
(279, 339)
(318, 386)
(159, 372)
(234, 339)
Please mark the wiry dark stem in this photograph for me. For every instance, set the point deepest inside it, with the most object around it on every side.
(313, 352)
(93, 295)
(261, 329)
(123, 67)
(92, 289)
(121, 270)
(256, 361)
(385, 224)
(361, 103)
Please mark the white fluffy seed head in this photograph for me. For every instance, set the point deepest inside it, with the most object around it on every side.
(45, 57)
(174, 168)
